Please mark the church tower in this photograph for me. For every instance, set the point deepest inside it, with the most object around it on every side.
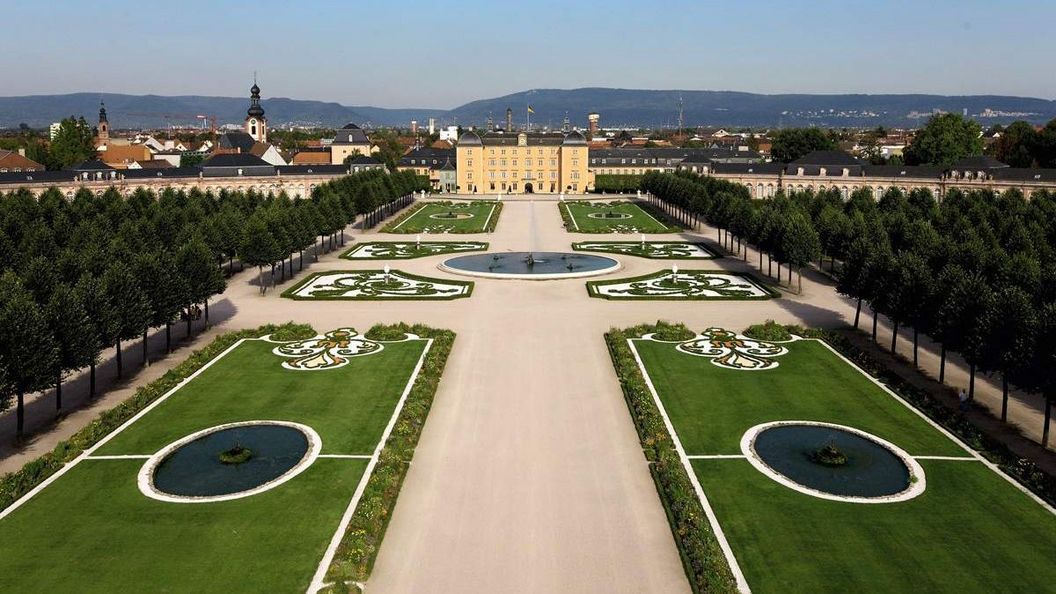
(256, 124)
(104, 126)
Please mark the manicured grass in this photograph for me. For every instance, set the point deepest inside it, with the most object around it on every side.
(970, 531)
(655, 250)
(406, 250)
(370, 285)
(702, 285)
(103, 535)
(578, 219)
(479, 216)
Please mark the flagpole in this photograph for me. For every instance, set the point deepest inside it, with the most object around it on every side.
(528, 113)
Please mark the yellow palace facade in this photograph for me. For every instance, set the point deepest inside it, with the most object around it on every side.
(525, 163)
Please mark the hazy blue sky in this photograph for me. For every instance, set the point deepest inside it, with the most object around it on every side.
(408, 53)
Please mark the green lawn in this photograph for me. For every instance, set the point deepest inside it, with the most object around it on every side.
(970, 531)
(449, 217)
(93, 531)
(610, 217)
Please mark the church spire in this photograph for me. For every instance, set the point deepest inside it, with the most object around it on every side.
(256, 124)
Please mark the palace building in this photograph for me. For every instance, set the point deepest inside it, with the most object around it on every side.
(525, 163)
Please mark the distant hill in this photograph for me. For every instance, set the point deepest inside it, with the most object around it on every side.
(618, 108)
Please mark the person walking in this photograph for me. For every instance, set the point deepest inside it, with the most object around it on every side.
(962, 398)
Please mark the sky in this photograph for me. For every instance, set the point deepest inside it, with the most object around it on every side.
(418, 53)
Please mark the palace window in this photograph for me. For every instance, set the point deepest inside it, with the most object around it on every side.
(553, 162)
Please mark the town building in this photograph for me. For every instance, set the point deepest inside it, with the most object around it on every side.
(842, 172)
(528, 163)
(436, 164)
(349, 140)
(17, 162)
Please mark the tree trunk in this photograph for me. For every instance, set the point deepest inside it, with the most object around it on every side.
(1004, 396)
(300, 260)
(207, 313)
(58, 391)
(188, 321)
(1048, 417)
(168, 337)
(942, 364)
(91, 380)
(260, 278)
(760, 259)
(146, 361)
(120, 367)
(20, 421)
(857, 313)
(874, 322)
(799, 278)
(915, 343)
(971, 382)
(894, 336)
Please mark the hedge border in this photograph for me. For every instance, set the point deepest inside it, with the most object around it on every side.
(770, 292)
(391, 226)
(16, 484)
(289, 293)
(699, 244)
(345, 253)
(566, 216)
(358, 550)
(702, 557)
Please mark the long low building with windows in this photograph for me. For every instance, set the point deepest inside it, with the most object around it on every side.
(231, 173)
(840, 171)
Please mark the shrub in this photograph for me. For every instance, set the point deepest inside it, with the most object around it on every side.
(768, 330)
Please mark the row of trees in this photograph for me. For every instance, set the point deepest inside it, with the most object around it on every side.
(84, 275)
(974, 272)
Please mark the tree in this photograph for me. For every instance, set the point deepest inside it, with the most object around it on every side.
(104, 323)
(73, 143)
(1010, 337)
(800, 245)
(259, 248)
(27, 348)
(790, 144)
(389, 148)
(195, 264)
(131, 305)
(166, 291)
(75, 339)
(945, 139)
(1017, 145)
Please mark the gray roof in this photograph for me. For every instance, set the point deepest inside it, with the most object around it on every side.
(469, 139)
(90, 165)
(978, 162)
(575, 137)
(351, 134)
(234, 160)
(364, 160)
(906, 171)
(236, 140)
(827, 158)
(427, 157)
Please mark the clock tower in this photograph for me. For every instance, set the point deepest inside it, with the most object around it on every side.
(256, 123)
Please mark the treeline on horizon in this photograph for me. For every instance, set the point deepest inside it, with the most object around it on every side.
(975, 272)
(80, 276)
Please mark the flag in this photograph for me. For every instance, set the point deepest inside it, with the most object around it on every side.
(530, 110)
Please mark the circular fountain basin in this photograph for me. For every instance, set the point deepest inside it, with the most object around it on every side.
(608, 215)
(452, 216)
(875, 471)
(191, 469)
(545, 265)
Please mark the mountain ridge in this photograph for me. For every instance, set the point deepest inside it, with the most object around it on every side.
(618, 108)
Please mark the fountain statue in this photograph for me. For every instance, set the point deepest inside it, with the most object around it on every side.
(828, 454)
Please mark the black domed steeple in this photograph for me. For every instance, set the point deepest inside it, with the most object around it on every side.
(255, 110)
